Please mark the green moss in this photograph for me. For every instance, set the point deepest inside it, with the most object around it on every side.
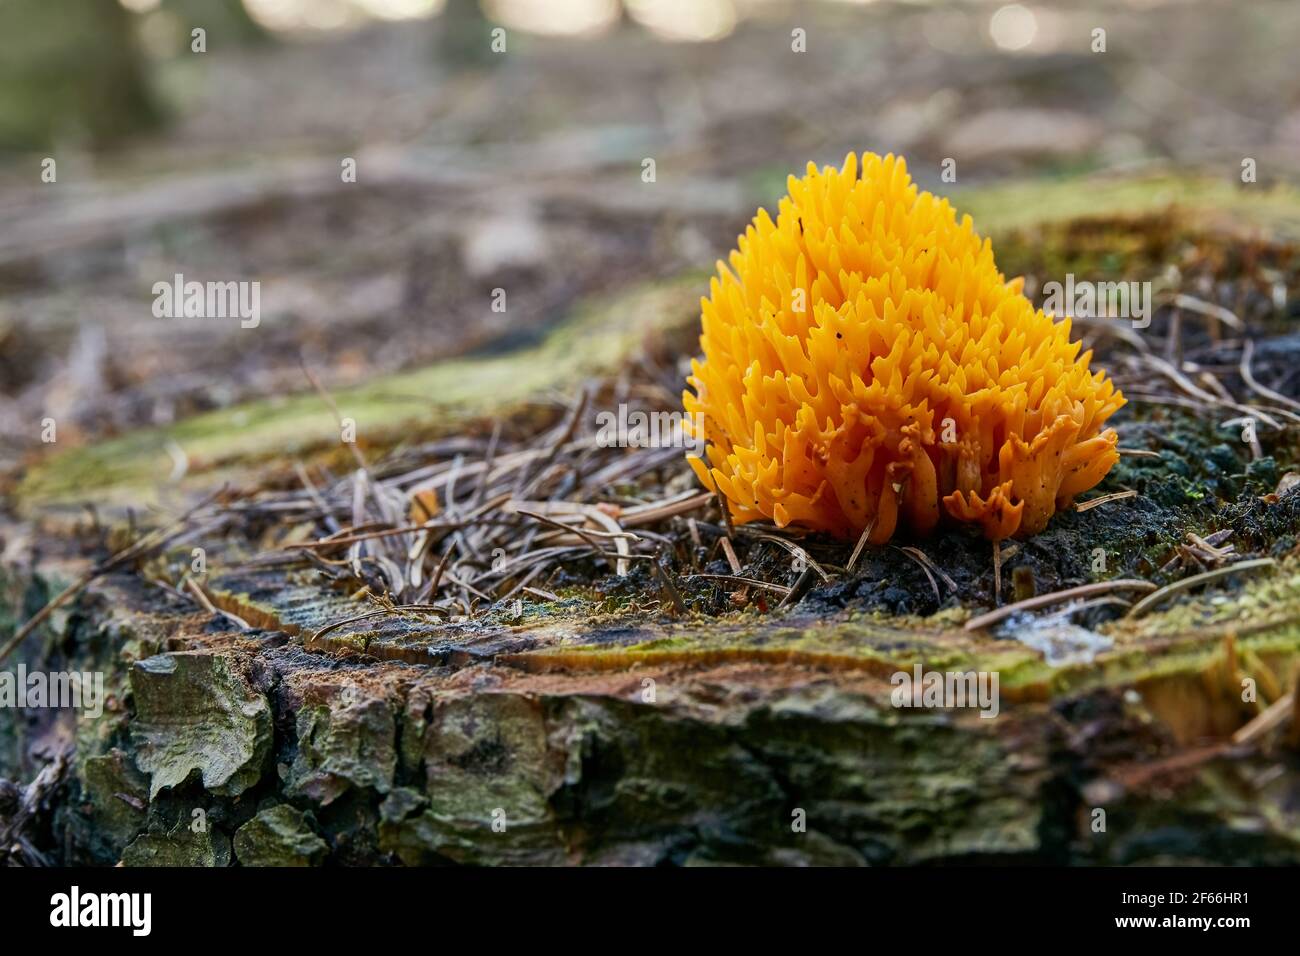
(999, 209)
(1056, 226)
(1264, 615)
(116, 797)
(423, 403)
(184, 848)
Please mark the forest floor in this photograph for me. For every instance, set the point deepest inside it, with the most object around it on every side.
(573, 640)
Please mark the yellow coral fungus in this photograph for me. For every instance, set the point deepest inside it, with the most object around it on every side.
(867, 366)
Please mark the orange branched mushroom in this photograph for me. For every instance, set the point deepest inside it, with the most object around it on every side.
(867, 366)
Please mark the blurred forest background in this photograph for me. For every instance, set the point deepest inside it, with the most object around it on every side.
(478, 169)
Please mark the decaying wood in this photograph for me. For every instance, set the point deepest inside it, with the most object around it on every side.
(392, 651)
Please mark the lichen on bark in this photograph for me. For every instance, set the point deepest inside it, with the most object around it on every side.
(195, 713)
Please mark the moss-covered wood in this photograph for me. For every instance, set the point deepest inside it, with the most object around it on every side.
(604, 728)
(696, 744)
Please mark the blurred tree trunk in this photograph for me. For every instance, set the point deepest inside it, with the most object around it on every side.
(463, 37)
(227, 21)
(70, 69)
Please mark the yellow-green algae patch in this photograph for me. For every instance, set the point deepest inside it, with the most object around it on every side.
(1261, 623)
(424, 403)
(1204, 200)
(436, 400)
